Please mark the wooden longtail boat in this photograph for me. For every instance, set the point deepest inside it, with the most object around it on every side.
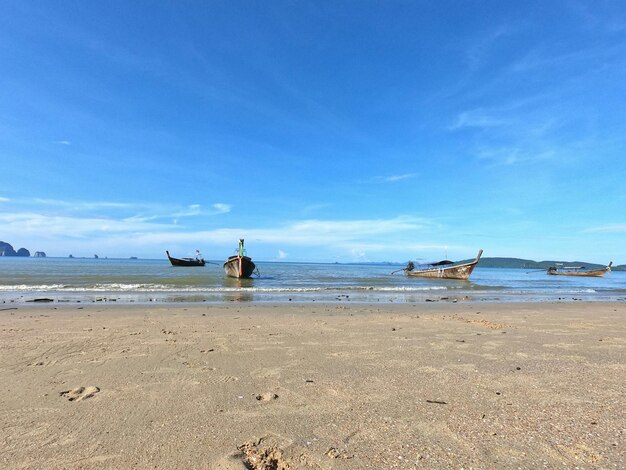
(578, 271)
(239, 265)
(443, 269)
(197, 261)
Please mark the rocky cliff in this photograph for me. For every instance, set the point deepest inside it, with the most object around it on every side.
(7, 250)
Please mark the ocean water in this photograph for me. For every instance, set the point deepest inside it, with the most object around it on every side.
(144, 281)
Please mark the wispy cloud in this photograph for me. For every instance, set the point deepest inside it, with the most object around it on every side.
(478, 118)
(482, 47)
(4, 199)
(356, 229)
(46, 226)
(591, 59)
(605, 16)
(62, 142)
(78, 206)
(189, 211)
(521, 112)
(121, 210)
(525, 130)
(615, 228)
(351, 237)
(394, 178)
(513, 155)
(371, 234)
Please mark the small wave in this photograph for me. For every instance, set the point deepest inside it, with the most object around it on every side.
(117, 287)
(30, 288)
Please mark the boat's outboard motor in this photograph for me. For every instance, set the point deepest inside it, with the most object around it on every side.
(410, 266)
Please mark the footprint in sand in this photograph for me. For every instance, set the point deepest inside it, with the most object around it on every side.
(335, 453)
(257, 458)
(265, 453)
(43, 363)
(269, 396)
(277, 453)
(80, 393)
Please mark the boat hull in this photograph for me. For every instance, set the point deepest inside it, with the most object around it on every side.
(185, 261)
(462, 272)
(596, 273)
(579, 271)
(459, 271)
(239, 266)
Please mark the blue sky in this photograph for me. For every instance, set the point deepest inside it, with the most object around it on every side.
(319, 131)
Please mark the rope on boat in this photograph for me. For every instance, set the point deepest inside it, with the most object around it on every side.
(409, 267)
(397, 271)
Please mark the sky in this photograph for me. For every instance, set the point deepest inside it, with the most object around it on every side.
(317, 130)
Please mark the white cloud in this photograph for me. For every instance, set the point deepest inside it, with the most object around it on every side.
(364, 236)
(4, 199)
(123, 210)
(305, 232)
(63, 142)
(85, 226)
(221, 208)
(46, 226)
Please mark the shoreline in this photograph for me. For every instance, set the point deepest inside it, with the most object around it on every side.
(333, 296)
(313, 385)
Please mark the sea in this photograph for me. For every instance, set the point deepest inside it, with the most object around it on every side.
(85, 280)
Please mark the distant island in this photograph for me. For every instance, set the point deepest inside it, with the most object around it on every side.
(518, 263)
(6, 249)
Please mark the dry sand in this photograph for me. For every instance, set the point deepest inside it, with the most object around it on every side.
(322, 386)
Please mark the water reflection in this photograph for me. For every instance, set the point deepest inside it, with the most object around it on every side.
(238, 289)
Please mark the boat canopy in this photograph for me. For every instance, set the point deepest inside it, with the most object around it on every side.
(441, 263)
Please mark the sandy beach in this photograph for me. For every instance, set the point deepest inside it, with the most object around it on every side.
(321, 386)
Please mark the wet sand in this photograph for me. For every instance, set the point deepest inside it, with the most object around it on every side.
(320, 386)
